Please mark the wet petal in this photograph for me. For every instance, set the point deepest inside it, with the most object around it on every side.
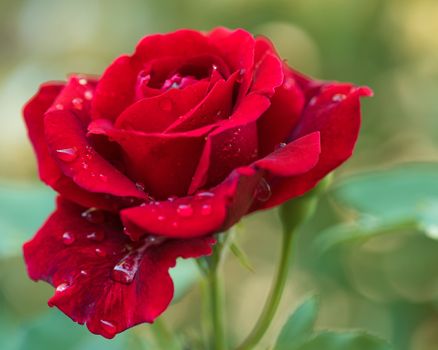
(201, 214)
(102, 278)
(335, 114)
(67, 142)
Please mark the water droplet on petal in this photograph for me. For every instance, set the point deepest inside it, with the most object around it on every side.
(166, 105)
(103, 177)
(67, 154)
(313, 101)
(82, 81)
(109, 327)
(206, 209)
(172, 198)
(97, 235)
(78, 103)
(184, 210)
(100, 252)
(84, 273)
(59, 107)
(161, 218)
(205, 194)
(88, 95)
(263, 191)
(62, 287)
(281, 145)
(214, 67)
(339, 97)
(140, 186)
(125, 270)
(94, 215)
(68, 238)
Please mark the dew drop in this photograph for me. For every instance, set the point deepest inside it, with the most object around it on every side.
(68, 238)
(281, 145)
(94, 215)
(84, 273)
(161, 218)
(184, 210)
(263, 191)
(78, 103)
(100, 252)
(339, 97)
(103, 177)
(62, 287)
(97, 235)
(67, 154)
(205, 194)
(206, 209)
(125, 270)
(88, 95)
(82, 81)
(140, 186)
(214, 67)
(312, 101)
(109, 327)
(166, 105)
(59, 107)
(172, 198)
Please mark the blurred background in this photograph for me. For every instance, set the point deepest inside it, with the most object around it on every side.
(372, 252)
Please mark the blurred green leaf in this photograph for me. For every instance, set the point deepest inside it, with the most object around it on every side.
(394, 193)
(241, 256)
(23, 209)
(299, 326)
(345, 341)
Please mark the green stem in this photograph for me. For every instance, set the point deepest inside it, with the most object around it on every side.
(274, 298)
(164, 338)
(217, 308)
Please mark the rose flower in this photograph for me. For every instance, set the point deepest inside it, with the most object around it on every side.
(171, 145)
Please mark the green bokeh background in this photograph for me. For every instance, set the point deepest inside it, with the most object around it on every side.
(387, 285)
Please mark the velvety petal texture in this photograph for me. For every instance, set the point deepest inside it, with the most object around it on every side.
(102, 278)
(171, 145)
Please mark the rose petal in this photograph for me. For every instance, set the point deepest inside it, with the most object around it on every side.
(232, 144)
(157, 113)
(268, 75)
(163, 163)
(78, 160)
(277, 123)
(335, 114)
(78, 258)
(115, 89)
(215, 106)
(201, 214)
(294, 158)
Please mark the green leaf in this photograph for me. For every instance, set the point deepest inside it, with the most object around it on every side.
(23, 209)
(299, 327)
(393, 193)
(241, 256)
(345, 341)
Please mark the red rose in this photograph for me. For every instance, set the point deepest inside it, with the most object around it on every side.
(170, 145)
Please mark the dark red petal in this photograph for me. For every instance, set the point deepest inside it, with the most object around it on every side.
(335, 114)
(294, 158)
(163, 163)
(67, 142)
(79, 258)
(157, 113)
(184, 43)
(276, 125)
(268, 75)
(116, 87)
(237, 49)
(215, 106)
(76, 95)
(201, 214)
(232, 144)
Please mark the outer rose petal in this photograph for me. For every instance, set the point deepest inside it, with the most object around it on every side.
(81, 266)
(222, 206)
(48, 168)
(335, 113)
(86, 167)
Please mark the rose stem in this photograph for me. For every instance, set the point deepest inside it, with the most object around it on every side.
(215, 289)
(274, 298)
